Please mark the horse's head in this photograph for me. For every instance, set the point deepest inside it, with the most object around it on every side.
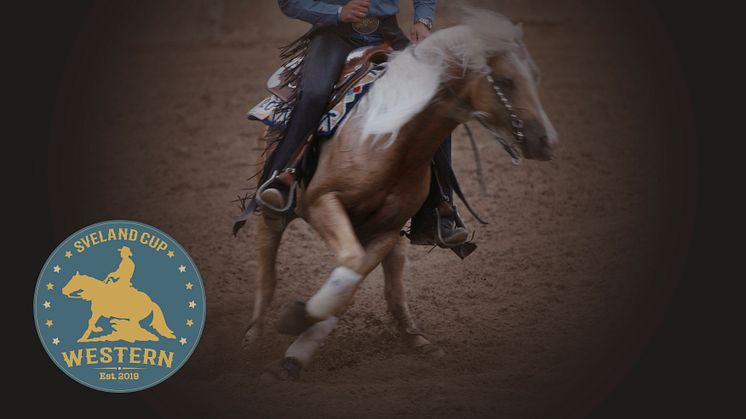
(77, 286)
(502, 87)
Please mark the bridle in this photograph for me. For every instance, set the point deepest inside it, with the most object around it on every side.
(516, 123)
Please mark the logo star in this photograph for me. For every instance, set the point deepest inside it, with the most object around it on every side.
(50, 286)
(56, 341)
(50, 323)
(170, 253)
(68, 254)
(57, 269)
(47, 304)
(182, 268)
(192, 304)
(182, 341)
(189, 285)
(190, 323)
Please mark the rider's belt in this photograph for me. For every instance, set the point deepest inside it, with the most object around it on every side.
(366, 25)
(372, 24)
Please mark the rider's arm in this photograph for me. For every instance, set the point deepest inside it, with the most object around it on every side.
(424, 9)
(311, 11)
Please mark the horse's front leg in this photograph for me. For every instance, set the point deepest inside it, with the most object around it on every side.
(91, 327)
(396, 299)
(267, 243)
(315, 319)
(330, 219)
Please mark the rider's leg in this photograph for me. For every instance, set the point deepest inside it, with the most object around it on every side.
(424, 223)
(321, 67)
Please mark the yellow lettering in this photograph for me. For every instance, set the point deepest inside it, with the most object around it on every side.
(90, 356)
(148, 356)
(120, 352)
(133, 235)
(123, 234)
(94, 238)
(112, 235)
(162, 246)
(144, 238)
(168, 359)
(73, 358)
(85, 241)
(105, 354)
(135, 355)
(79, 246)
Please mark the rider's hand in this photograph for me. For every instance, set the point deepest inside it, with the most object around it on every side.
(418, 32)
(354, 11)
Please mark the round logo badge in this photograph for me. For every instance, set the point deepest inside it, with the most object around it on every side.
(119, 306)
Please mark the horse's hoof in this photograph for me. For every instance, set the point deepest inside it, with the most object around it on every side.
(294, 320)
(97, 329)
(431, 350)
(286, 369)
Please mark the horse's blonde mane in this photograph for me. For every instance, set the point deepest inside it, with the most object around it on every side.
(414, 75)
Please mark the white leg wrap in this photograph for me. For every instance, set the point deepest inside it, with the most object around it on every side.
(309, 341)
(334, 294)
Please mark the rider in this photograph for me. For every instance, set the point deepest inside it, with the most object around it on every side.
(339, 26)
(126, 269)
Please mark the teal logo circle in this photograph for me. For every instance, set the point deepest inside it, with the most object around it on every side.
(119, 306)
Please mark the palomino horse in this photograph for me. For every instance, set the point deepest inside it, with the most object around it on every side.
(127, 307)
(374, 173)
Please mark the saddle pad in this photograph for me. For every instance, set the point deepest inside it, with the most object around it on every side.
(269, 111)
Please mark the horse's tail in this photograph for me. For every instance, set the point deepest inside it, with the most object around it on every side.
(159, 323)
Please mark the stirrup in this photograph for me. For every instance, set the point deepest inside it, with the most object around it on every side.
(271, 208)
(458, 222)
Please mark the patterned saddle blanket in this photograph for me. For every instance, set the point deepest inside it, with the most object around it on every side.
(272, 113)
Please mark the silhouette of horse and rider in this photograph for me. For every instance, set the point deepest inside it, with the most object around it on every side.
(117, 299)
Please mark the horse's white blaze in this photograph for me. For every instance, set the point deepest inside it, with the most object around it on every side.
(552, 136)
(524, 67)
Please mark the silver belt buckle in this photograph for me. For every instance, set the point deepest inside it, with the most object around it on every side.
(367, 25)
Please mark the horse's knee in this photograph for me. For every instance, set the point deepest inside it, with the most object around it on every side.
(352, 257)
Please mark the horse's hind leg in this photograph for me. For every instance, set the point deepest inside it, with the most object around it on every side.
(396, 299)
(267, 243)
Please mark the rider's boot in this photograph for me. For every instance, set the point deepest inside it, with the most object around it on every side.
(440, 226)
(274, 198)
